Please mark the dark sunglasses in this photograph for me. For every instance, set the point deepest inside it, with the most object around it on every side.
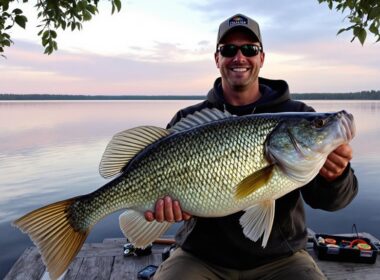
(231, 50)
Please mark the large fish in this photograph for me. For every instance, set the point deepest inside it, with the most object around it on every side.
(214, 163)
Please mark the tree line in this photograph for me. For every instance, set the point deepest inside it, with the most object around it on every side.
(362, 95)
(96, 97)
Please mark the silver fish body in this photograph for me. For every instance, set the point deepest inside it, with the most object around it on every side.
(215, 164)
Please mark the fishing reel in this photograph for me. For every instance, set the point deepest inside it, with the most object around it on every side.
(130, 250)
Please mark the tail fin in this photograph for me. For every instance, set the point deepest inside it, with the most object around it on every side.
(50, 229)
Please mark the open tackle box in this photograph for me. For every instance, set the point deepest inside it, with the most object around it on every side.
(345, 248)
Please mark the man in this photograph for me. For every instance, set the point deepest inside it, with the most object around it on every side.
(215, 248)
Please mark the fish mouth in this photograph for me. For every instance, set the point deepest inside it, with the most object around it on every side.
(348, 124)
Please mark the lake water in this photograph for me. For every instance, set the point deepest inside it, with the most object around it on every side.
(50, 151)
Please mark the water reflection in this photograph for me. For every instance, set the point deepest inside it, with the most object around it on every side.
(366, 114)
(31, 125)
(50, 151)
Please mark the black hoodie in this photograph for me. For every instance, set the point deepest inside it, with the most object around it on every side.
(221, 241)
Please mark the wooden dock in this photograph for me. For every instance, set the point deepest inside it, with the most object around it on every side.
(106, 261)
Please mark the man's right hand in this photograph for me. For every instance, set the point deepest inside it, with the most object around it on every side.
(167, 210)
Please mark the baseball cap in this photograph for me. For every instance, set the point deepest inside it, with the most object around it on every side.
(239, 21)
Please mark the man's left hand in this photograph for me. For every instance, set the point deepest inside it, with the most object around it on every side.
(336, 162)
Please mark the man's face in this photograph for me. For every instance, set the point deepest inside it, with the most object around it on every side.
(239, 72)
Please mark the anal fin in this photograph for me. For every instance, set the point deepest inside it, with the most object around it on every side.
(257, 221)
(138, 230)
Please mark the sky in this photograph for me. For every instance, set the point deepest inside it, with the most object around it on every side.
(167, 47)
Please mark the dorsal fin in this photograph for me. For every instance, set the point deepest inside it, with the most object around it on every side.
(198, 118)
(125, 145)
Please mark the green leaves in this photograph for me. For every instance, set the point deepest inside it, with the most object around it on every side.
(116, 5)
(7, 21)
(48, 41)
(360, 33)
(53, 15)
(21, 20)
(374, 12)
(364, 17)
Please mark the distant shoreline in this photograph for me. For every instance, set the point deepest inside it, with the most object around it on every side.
(42, 97)
(363, 95)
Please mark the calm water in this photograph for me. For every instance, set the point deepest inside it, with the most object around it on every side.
(50, 151)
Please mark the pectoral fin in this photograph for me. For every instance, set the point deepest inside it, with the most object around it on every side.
(138, 230)
(254, 181)
(258, 220)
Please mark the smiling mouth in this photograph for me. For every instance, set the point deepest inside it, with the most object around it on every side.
(239, 69)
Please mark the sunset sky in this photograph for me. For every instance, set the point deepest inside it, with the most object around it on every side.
(166, 47)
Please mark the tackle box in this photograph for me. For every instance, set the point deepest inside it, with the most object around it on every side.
(344, 248)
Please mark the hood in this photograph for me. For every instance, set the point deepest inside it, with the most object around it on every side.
(273, 92)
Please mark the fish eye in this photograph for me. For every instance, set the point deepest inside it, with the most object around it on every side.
(319, 123)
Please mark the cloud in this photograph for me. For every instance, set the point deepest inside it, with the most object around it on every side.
(167, 51)
(301, 44)
(325, 67)
(65, 72)
(281, 21)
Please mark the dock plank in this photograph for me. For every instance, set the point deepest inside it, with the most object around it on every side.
(28, 267)
(96, 267)
(347, 270)
(73, 268)
(128, 267)
(106, 261)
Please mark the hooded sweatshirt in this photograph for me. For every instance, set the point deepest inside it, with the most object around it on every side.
(220, 241)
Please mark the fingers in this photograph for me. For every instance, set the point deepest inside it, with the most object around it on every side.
(336, 162)
(179, 215)
(186, 216)
(159, 211)
(332, 169)
(327, 174)
(167, 210)
(149, 216)
(177, 211)
(344, 151)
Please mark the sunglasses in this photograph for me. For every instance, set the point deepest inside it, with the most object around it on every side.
(247, 50)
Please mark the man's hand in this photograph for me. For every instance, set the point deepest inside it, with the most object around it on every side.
(336, 162)
(167, 210)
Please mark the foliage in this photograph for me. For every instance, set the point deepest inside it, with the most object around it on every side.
(70, 14)
(364, 16)
(52, 15)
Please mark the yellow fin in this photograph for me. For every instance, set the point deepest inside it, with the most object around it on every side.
(55, 238)
(127, 144)
(253, 182)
